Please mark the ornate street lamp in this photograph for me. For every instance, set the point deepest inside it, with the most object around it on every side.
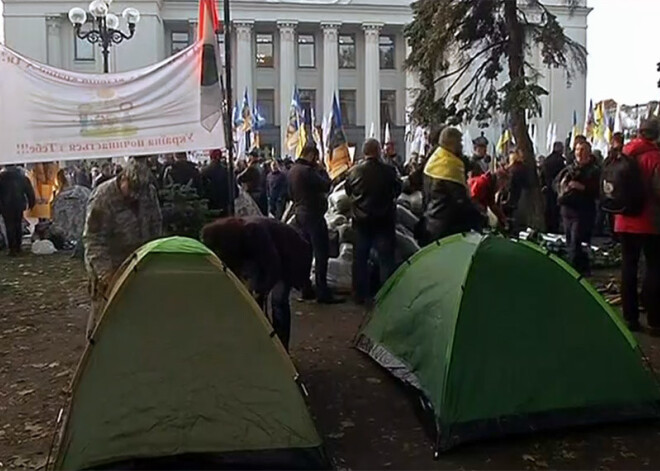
(106, 30)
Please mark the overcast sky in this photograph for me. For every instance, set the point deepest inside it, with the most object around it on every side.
(624, 46)
(623, 42)
(2, 24)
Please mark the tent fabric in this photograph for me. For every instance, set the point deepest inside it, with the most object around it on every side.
(184, 364)
(500, 336)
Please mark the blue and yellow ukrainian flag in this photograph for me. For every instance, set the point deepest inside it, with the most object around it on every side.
(293, 126)
(338, 159)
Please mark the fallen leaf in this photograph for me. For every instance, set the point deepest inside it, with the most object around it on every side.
(567, 455)
(336, 436)
(347, 424)
(40, 463)
(25, 392)
(373, 380)
(19, 462)
(542, 464)
(628, 454)
(529, 458)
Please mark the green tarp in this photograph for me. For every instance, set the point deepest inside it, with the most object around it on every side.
(500, 337)
(183, 363)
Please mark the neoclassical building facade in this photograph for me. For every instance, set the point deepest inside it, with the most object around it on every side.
(355, 48)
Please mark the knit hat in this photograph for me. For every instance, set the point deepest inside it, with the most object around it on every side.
(138, 174)
(481, 141)
(650, 128)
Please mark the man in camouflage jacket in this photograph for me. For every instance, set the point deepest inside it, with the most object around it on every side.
(122, 215)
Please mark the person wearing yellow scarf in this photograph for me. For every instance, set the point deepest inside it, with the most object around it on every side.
(445, 165)
(449, 207)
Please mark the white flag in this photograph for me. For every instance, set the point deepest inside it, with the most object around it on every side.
(372, 132)
(325, 131)
(468, 146)
(617, 119)
(418, 144)
(388, 135)
(548, 138)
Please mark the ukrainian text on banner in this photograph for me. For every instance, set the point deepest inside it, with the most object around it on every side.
(51, 114)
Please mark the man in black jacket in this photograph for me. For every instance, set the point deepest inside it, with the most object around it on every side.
(395, 160)
(373, 187)
(16, 195)
(271, 256)
(215, 180)
(578, 192)
(104, 176)
(309, 185)
(254, 181)
(183, 172)
(552, 166)
(277, 190)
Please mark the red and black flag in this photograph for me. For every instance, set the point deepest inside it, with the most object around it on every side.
(210, 65)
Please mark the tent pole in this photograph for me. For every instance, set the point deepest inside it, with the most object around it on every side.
(229, 133)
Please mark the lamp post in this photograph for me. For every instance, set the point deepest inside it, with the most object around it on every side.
(106, 30)
(229, 103)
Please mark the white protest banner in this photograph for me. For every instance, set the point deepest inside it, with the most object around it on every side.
(48, 114)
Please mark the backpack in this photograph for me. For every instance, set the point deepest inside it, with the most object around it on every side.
(622, 186)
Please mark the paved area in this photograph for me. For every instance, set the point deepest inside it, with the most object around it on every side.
(366, 418)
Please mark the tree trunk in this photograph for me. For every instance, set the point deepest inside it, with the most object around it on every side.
(533, 200)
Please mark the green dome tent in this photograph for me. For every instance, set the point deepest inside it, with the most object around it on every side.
(500, 337)
(185, 372)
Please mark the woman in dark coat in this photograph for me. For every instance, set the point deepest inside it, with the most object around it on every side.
(519, 187)
(271, 256)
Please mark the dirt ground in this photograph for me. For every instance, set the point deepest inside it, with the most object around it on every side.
(367, 420)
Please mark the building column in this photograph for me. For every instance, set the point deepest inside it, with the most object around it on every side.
(192, 29)
(372, 77)
(413, 86)
(287, 74)
(244, 59)
(330, 64)
(54, 40)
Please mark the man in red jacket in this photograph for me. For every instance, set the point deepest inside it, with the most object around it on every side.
(642, 233)
(484, 189)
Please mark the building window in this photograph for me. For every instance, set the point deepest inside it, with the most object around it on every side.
(180, 41)
(347, 104)
(387, 49)
(387, 107)
(308, 100)
(83, 50)
(306, 52)
(266, 105)
(265, 51)
(346, 52)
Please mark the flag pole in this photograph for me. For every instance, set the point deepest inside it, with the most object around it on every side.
(228, 101)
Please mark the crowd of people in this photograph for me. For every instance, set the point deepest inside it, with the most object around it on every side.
(460, 193)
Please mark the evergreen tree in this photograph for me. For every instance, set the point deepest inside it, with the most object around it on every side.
(462, 49)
